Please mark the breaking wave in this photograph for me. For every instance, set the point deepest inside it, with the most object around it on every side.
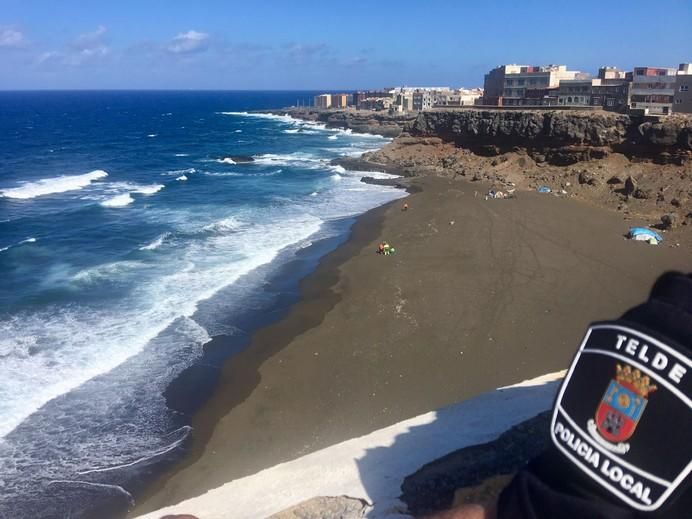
(48, 186)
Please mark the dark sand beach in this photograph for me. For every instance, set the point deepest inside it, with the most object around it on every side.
(479, 294)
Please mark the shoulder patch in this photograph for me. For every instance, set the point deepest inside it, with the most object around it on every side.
(624, 414)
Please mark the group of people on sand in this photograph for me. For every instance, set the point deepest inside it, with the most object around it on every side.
(385, 248)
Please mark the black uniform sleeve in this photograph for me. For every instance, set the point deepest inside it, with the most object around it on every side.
(553, 485)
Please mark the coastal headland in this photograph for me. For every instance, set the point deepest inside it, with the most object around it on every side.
(638, 166)
(479, 294)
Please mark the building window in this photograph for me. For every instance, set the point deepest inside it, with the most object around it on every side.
(510, 82)
(684, 88)
(611, 102)
(678, 101)
(520, 82)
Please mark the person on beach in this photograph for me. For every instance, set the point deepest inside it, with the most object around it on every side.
(620, 436)
(405, 207)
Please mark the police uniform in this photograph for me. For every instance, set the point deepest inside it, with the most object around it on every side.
(621, 428)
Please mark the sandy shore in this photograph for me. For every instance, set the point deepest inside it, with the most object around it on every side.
(502, 294)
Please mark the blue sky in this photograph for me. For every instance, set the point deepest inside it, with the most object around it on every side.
(214, 44)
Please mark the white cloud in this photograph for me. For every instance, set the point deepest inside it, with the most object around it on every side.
(85, 48)
(189, 42)
(90, 41)
(11, 38)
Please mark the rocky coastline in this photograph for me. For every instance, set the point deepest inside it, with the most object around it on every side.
(639, 166)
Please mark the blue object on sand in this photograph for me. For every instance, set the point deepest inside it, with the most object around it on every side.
(644, 234)
(543, 189)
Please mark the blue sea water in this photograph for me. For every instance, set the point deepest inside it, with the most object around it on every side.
(128, 239)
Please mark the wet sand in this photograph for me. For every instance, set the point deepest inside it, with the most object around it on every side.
(502, 294)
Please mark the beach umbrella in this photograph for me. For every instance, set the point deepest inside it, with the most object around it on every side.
(644, 234)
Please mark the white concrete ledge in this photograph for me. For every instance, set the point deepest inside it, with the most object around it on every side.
(373, 466)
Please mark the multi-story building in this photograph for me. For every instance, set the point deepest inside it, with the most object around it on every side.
(339, 101)
(323, 101)
(609, 94)
(653, 89)
(682, 99)
(403, 101)
(534, 77)
(459, 97)
(516, 85)
(612, 95)
(575, 92)
(369, 98)
(614, 73)
(422, 100)
(494, 83)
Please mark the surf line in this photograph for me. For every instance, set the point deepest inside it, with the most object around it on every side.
(172, 446)
(117, 488)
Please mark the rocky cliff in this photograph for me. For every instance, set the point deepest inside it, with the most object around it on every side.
(560, 137)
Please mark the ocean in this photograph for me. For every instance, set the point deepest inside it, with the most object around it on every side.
(129, 238)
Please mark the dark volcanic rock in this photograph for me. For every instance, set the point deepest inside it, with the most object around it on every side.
(561, 136)
(587, 177)
(240, 159)
(630, 186)
(432, 487)
(668, 221)
(642, 193)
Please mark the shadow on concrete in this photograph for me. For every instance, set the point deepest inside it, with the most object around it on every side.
(493, 434)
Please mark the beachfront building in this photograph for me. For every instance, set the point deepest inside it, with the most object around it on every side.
(575, 92)
(403, 101)
(525, 85)
(323, 101)
(529, 78)
(339, 100)
(653, 89)
(373, 99)
(422, 100)
(494, 83)
(459, 97)
(608, 73)
(682, 99)
(612, 95)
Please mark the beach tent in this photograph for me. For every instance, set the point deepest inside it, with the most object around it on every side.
(644, 234)
(543, 189)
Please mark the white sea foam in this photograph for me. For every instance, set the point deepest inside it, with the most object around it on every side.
(226, 160)
(156, 243)
(336, 177)
(292, 130)
(27, 240)
(181, 178)
(187, 171)
(48, 186)
(332, 137)
(152, 135)
(118, 201)
(283, 118)
(225, 225)
(182, 154)
(297, 158)
(238, 131)
(225, 174)
(148, 190)
(52, 350)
